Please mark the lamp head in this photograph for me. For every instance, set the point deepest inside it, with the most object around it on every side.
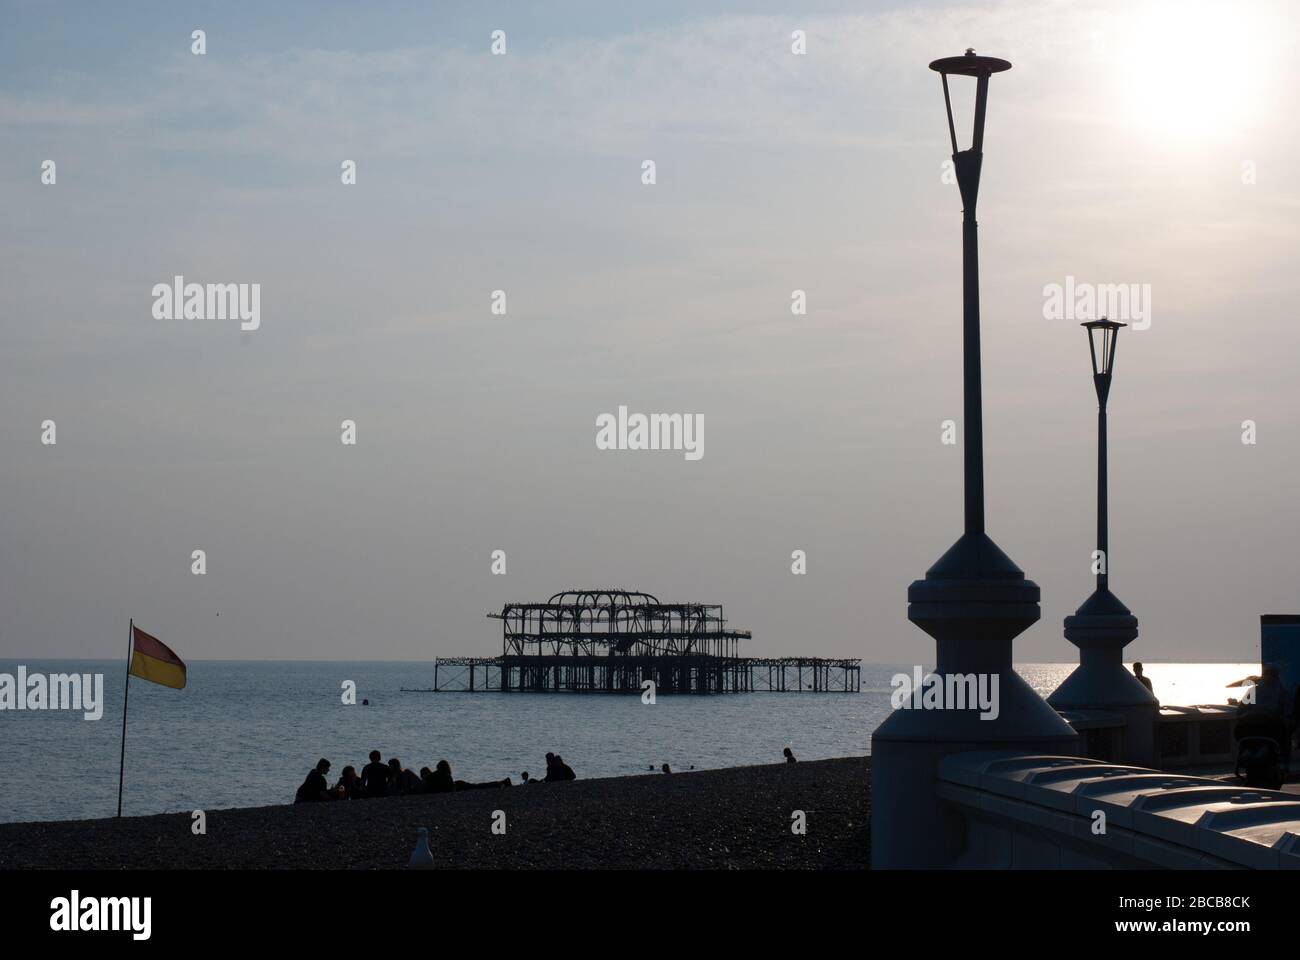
(969, 64)
(1102, 336)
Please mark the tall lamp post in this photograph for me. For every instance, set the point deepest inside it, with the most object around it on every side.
(1103, 626)
(974, 601)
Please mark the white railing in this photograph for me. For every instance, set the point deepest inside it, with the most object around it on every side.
(1033, 811)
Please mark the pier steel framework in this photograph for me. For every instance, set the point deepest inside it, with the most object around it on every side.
(612, 641)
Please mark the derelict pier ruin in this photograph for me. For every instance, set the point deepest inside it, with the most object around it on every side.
(612, 641)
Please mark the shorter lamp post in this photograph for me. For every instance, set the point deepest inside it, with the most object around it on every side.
(1103, 337)
(1103, 626)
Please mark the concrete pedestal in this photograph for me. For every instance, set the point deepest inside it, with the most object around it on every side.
(1101, 628)
(973, 602)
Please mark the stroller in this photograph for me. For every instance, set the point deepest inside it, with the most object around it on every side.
(1262, 750)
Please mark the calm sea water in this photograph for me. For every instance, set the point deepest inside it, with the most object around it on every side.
(245, 733)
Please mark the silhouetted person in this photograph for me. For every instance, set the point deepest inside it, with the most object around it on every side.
(315, 787)
(466, 785)
(409, 782)
(524, 776)
(1142, 678)
(402, 780)
(349, 785)
(789, 755)
(557, 769)
(666, 769)
(1268, 713)
(374, 777)
(439, 780)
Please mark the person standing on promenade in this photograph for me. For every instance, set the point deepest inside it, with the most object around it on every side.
(1267, 713)
(1142, 678)
(789, 755)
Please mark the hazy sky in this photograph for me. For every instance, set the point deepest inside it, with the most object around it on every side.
(1112, 155)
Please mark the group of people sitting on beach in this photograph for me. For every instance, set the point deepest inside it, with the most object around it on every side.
(391, 779)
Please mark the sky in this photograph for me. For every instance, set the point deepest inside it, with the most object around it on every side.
(1131, 143)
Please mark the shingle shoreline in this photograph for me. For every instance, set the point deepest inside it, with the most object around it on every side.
(736, 818)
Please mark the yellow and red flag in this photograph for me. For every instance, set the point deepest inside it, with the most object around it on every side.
(153, 660)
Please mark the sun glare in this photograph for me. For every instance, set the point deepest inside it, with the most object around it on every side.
(1195, 70)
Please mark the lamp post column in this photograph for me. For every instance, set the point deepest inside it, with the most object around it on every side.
(1103, 626)
(973, 601)
(1103, 540)
(968, 165)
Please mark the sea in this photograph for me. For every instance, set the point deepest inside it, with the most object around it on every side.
(245, 733)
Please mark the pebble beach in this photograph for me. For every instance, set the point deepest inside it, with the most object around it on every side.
(736, 818)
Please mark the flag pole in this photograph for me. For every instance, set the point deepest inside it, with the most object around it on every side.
(121, 767)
